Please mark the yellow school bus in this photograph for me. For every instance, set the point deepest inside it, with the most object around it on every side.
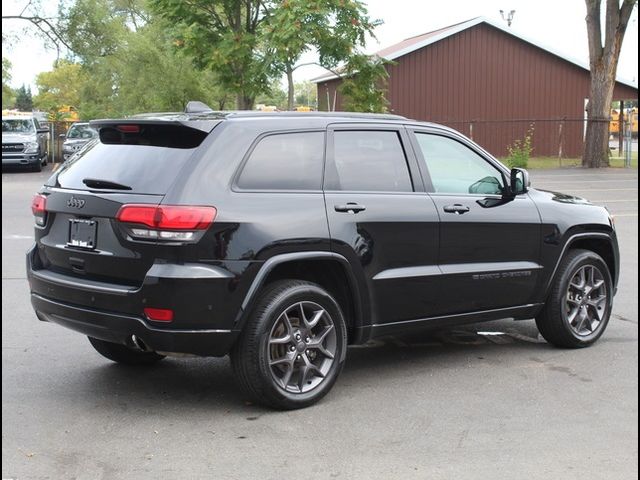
(614, 125)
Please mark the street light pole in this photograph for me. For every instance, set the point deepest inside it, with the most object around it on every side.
(508, 17)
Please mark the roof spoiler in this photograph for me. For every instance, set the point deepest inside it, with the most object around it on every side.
(202, 125)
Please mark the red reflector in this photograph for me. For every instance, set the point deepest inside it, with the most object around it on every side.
(128, 128)
(168, 217)
(39, 204)
(159, 314)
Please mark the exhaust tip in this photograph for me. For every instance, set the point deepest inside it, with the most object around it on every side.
(139, 344)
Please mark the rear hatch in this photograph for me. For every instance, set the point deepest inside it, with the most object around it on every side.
(132, 164)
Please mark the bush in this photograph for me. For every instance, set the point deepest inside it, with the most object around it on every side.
(520, 151)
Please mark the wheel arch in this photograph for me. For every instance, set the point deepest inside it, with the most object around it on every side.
(330, 270)
(601, 243)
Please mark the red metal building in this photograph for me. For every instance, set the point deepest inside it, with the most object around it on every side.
(489, 83)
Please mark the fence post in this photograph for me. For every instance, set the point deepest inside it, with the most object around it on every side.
(560, 143)
(54, 146)
(628, 140)
(621, 123)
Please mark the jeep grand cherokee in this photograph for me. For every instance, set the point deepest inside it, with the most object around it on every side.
(282, 238)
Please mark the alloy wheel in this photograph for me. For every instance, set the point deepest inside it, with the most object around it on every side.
(586, 300)
(302, 347)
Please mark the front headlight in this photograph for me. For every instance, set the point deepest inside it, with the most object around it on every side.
(31, 147)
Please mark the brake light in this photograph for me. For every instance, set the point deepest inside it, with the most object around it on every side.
(166, 222)
(159, 314)
(39, 209)
(128, 128)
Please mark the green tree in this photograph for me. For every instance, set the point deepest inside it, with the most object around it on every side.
(8, 95)
(223, 35)
(603, 62)
(132, 62)
(274, 96)
(333, 27)
(60, 86)
(306, 94)
(364, 84)
(24, 100)
(96, 29)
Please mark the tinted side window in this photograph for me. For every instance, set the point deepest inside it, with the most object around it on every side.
(369, 161)
(287, 161)
(455, 168)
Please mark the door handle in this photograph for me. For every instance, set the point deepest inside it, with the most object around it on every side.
(349, 207)
(457, 209)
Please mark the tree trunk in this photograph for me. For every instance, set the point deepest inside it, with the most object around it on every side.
(244, 102)
(596, 147)
(603, 63)
(290, 88)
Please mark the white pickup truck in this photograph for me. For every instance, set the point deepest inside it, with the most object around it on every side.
(24, 141)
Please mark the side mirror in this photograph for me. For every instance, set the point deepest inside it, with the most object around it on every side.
(520, 182)
(43, 130)
(62, 135)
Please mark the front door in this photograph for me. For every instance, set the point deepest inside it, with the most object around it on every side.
(381, 219)
(489, 245)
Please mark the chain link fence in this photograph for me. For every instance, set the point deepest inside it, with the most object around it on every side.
(561, 139)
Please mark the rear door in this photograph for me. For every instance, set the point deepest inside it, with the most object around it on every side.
(130, 164)
(381, 219)
(489, 245)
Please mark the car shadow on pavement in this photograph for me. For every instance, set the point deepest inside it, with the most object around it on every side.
(195, 384)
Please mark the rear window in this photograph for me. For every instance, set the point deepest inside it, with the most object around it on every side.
(147, 161)
(288, 161)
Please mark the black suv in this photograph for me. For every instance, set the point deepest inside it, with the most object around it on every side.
(281, 238)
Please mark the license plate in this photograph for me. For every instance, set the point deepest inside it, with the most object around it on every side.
(82, 233)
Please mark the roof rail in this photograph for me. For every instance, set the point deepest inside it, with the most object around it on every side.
(355, 115)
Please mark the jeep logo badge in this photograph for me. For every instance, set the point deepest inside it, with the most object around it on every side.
(74, 202)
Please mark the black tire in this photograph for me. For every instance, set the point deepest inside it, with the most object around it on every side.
(250, 356)
(45, 160)
(123, 354)
(37, 167)
(553, 321)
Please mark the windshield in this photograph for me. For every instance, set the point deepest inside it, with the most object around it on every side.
(81, 131)
(17, 125)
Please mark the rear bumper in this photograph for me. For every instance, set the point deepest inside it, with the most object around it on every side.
(205, 300)
(119, 328)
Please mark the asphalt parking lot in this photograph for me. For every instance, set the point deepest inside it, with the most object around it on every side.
(489, 401)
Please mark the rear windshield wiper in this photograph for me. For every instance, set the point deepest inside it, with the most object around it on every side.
(97, 183)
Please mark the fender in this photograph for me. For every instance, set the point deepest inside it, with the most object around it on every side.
(572, 240)
(361, 308)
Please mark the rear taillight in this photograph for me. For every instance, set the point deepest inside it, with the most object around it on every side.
(166, 222)
(39, 209)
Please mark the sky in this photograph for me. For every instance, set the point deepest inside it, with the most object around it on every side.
(558, 24)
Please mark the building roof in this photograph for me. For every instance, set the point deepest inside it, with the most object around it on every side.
(420, 41)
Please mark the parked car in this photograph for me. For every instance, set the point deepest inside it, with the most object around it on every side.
(78, 135)
(24, 142)
(281, 238)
